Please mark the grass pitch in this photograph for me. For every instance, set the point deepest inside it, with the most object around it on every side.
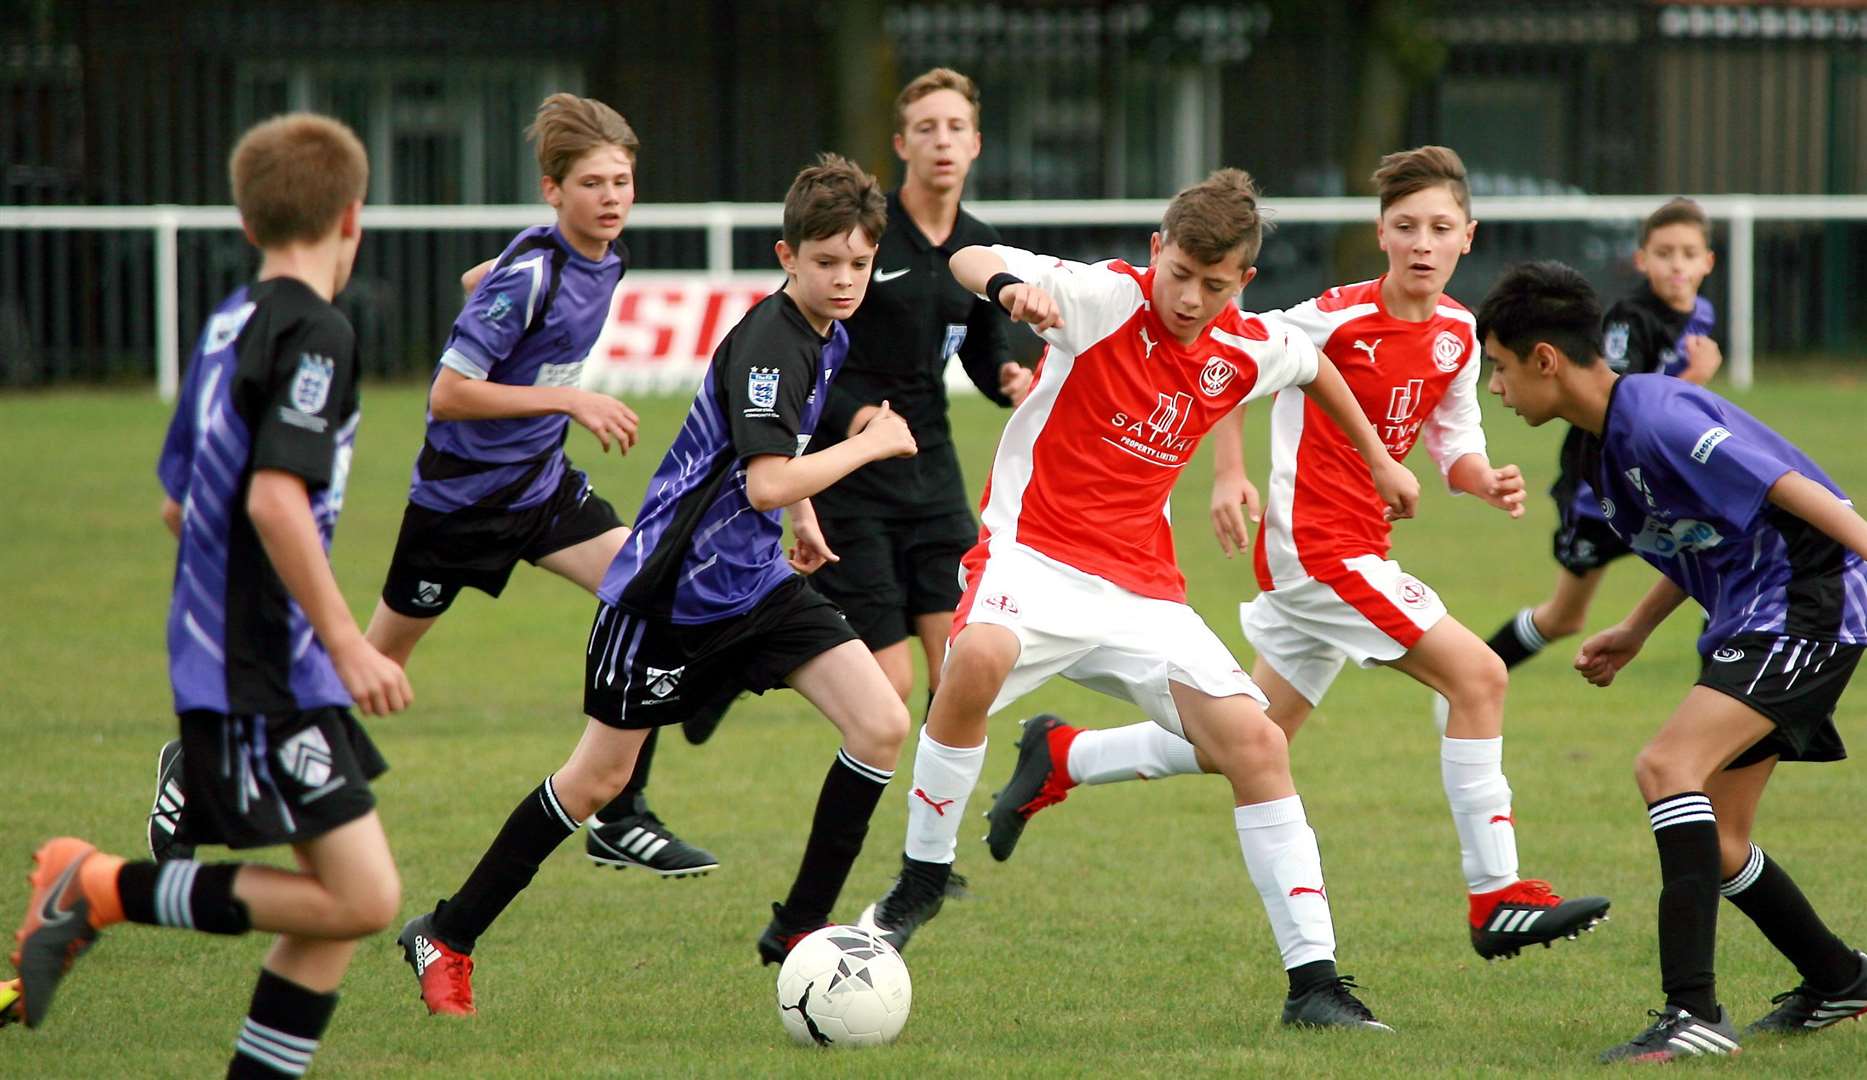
(1124, 938)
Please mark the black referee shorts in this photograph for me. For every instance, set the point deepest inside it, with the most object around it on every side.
(641, 672)
(1794, 682)
(893, 570)
(437, 554)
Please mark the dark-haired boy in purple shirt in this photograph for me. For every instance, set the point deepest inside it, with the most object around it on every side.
(1738, 519)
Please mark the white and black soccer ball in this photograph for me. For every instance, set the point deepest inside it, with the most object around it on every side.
(844, 986)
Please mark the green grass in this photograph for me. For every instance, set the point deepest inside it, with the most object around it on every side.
(1125, 938)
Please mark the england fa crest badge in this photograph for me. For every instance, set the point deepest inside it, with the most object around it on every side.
(311, 387)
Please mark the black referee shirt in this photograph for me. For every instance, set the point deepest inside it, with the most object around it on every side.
(914, 316)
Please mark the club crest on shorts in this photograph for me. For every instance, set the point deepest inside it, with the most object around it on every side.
(1448, 350)
(762, 387)
(307, 757)
(1216, 376)
(1414, 593)
(311, 387)
(663, 681)
(427, 593)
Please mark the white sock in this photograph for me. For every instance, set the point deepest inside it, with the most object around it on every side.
(943, 779)
(1143, 751)
(1281, 855)
(1473, 772)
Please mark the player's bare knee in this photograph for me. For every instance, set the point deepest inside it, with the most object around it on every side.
(1480, 685)
(1659, 775)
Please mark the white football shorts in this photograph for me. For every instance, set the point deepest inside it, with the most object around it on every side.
(1373, 612)
(1096, 633)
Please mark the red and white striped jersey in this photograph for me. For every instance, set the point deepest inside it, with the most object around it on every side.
(1413, 380)
(1086, 463)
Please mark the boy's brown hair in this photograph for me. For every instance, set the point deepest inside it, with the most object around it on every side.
(1215, 217)
(931, 82)
(1408, 171)
(567, 127)
(1677, 211)
(829, 199)
(294, 175)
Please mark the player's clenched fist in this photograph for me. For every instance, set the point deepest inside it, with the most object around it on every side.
(1029, 304)
(607, 418)
(889, 433)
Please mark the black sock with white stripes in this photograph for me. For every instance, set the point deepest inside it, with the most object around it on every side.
(282, 1029)
(1686, 831)
(183, 893)
(535, 829)
(1764, 891)
(844, 807)
(630, 801)
(1518, 639)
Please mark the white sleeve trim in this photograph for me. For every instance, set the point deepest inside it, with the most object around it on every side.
(461, 362)
(1455, 428)
(1094, 300)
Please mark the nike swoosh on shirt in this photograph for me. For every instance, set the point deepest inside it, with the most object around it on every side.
(889, 275)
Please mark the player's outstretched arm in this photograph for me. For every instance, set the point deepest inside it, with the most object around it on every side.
(456, 397)
(773, 480)
(975, 267)
(1396, 486)
(1502, 488)
(1603, 655)
(172, 516)
(1818, 506)
(280, 509)
(1234, 498)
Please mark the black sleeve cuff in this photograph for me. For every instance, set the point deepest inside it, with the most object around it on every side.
(997, 285)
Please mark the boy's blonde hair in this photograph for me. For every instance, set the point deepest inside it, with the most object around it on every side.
(294, 175)
(1677, 211)
(567, 127)
(932, 82)
(1215, 217)
(829, 199)
(1408, 171)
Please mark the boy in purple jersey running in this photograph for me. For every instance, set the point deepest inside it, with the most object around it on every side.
(1738, 519)
(701, 600)
(493, 484)
(264, 657)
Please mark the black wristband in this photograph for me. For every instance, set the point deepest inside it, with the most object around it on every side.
(997, 285)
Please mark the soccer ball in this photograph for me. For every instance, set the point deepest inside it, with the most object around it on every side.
(844, 986)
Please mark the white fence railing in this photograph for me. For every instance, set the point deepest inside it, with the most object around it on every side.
(1737, 214)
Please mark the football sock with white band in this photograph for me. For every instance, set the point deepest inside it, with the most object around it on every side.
(944, 777)
(183, 893)
(1472, 771)
(1286, 866)
(283, 1026)
(1686, 832)
(533, 831)
(844, 805)
(1143, 751)
(1765, 892)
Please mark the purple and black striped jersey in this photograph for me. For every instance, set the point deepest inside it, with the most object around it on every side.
(1683, 477)
(700, 552)
(272, 385)
(530, 322)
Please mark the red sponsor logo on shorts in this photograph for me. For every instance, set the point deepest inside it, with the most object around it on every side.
(1002, 602)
